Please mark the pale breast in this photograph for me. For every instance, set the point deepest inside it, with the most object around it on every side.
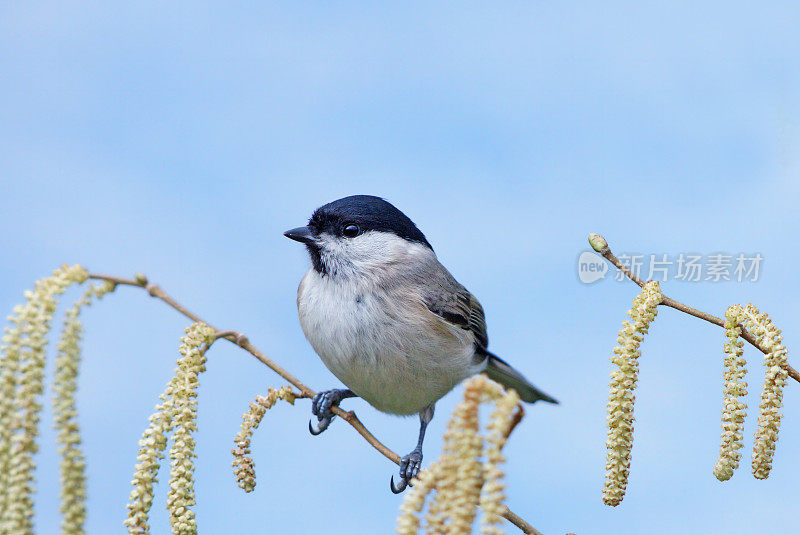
(386, 347)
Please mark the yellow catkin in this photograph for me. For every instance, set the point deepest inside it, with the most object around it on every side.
(492, 493)
(466, 449)
(769, 338)
(463, 423)
(458, 480)
(21, 385)
(621, 396)
(734, 408)
(181, 497)
(243, 465)
(73, 463)
(177, 410)
(409, 522)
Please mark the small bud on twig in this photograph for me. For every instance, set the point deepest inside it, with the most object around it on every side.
(597, 242)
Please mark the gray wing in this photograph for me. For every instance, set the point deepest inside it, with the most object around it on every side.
(446, 298)
(454, 304)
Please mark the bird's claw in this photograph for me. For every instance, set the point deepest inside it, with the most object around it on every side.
(321, 406)
(321, 426)
(398, 489)
(409, 469)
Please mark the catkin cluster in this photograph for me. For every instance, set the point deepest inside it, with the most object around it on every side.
(734, 389)
(73, 463)
(177, 413)
(460, 480)
(621, 397)
(768, 337)
(22, 364)
(243, 466)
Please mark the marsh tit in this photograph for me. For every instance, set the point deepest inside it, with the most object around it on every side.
(388, 320)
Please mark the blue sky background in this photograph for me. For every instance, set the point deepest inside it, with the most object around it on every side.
(181, 139)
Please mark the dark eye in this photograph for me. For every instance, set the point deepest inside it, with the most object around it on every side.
(351, 231)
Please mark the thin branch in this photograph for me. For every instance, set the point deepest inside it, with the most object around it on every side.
(526, 528)
(242, 341)
(600, 245)
(515, 420)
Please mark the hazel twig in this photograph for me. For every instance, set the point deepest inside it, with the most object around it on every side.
(239, 339)
(600, 245)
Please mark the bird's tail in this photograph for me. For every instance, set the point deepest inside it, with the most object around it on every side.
(499, 370)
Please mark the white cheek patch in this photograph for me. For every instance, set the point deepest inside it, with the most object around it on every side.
(365, 252)
(375, 246)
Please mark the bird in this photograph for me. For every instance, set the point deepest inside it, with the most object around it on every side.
(388, 319)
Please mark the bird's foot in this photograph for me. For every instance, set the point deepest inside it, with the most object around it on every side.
(409, 469)
(321, 408)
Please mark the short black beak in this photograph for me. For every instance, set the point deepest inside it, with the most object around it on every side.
(301, 234)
